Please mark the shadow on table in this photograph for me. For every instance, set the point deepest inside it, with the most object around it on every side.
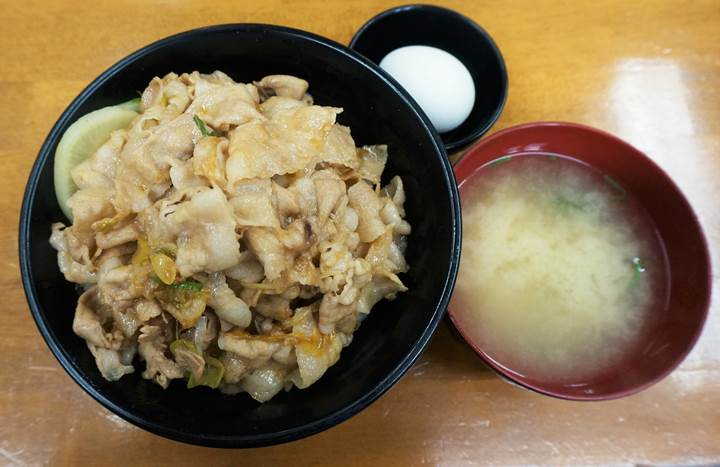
(448, 355)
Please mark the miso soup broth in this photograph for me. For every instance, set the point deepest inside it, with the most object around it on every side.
(561, 268)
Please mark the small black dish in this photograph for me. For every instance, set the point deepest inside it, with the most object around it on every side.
(390, 339)
(457, 34)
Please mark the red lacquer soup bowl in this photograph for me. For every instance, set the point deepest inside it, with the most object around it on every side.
(669, 334)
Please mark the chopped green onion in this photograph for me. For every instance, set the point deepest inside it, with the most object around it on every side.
(203, 127)
(211, 377)
(553, 157)
(639, 269)
(565, 205)
(637, 264)
(183, 344)
(500, 160)
(214, 368)
(190, 285)
(613, 183)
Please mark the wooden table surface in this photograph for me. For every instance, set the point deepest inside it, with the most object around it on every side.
(648, 71)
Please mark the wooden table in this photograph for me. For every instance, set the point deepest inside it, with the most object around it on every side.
(648, 71)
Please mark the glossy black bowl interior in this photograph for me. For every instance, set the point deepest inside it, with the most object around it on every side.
(388, 342)
(457, 34)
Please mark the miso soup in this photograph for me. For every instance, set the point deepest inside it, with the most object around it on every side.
(560, 269)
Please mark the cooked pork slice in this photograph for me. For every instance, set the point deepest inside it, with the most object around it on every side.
(108, 362)
(205, 227)
(283, 85)
(367, 205)
(87, 324)
(267, 248)
(226, 305)
(151, 347)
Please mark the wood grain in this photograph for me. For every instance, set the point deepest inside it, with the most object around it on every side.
(648, 71)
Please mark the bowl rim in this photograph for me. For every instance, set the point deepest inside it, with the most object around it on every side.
(467, 163)
(235, 440)
(480, 130)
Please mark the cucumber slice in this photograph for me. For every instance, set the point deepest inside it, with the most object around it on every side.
(81, 140)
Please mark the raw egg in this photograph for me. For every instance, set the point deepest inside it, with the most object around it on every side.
(437, 80)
